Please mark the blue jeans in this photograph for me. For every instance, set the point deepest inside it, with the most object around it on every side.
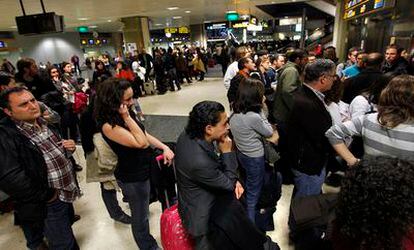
(306, 185)
(137, 194)
(255, 171)
(57, 228)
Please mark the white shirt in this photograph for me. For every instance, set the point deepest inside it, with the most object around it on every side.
(230, 73)
(360, 106)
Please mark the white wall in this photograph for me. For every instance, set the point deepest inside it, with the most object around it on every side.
(55, 47)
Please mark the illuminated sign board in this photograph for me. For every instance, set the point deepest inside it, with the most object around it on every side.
(175, 30)
(240, 25)
(2, 44)
(357, 8)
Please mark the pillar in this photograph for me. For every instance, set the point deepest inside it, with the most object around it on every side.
(340, 34)
(136, 30)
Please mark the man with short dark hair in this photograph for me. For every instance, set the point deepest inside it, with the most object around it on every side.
(394, 64)
(352, 59)
(28, 74)
(276, 62)
(372, 74)
(245, 66)
(208, 187)
(307, 147)
(233, 67)
(35, 170)
(288, 81)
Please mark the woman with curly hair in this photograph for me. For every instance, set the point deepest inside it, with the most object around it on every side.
(389, 132)
(375, 206)
(131, 143)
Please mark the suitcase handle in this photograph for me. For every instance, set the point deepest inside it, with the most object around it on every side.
(160, 158)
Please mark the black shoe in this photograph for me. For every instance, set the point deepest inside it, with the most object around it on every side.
(77, 168)
(125, 219)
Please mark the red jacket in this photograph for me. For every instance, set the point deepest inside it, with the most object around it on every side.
(126, 74)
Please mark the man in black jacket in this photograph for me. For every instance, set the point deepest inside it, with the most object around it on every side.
(394, 64)
(307, 146)
(369, 76)
(36, 172)
(208, 186)
(146, 61)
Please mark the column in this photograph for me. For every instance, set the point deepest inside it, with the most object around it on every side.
(340, 35)
(136, 31)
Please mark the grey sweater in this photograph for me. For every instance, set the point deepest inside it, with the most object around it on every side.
(248, 130)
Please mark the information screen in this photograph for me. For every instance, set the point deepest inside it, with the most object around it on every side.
(357, 8)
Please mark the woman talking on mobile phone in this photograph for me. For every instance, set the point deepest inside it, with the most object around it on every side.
(131, 143)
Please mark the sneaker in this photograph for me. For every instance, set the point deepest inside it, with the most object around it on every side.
(125, 219)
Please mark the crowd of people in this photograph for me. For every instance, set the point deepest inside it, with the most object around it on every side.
(302, 115)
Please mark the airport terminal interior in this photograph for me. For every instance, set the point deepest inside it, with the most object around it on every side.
(207, 124)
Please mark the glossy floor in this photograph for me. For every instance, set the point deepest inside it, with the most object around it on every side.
(96, 230)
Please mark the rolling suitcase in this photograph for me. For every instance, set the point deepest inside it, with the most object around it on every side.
(173, 234)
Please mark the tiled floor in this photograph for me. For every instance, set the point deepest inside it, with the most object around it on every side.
(96, 230)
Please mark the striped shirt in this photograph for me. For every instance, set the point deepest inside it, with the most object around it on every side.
(60, 172)
(378, 140)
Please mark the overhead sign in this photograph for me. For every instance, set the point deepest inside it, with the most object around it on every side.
(2, 44)
(175, 30)
(83, 29)
(240, 25)
(357, 8)
(216, 26)
(232, 16)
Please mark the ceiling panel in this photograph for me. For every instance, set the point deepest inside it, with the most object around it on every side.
(99, 12)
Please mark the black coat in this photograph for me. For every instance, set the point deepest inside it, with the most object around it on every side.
(202, 176)
(308, 148)
(399, 67)
(23, 174)
(354, 86)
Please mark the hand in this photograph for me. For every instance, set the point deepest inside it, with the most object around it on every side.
(225, 144)
(168, 156)
(274, 138)
(353, 162)
(69, 145)
(123, 111)
(239, 190)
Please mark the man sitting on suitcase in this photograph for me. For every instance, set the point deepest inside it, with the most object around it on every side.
(208, 188)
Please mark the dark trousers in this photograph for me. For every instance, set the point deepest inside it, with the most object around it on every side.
(202, 73)
(172, 78)
(230, 228)
(69, 124)
(57, 228)
(137, 194)
(111, 203)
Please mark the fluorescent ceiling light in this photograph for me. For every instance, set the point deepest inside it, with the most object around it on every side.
(177, 17)
(93, 26)
(109, 21)
(157, 24)
(172, 8)
(188, 11)
(83, 18)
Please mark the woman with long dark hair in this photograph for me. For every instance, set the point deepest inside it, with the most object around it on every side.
(100, 74)
(131, 143)
(389, 132)
(249, 127)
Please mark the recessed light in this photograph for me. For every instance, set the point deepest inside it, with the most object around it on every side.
(83, 18)
(173, 8)
(177, 17)
(273, 2)
(93, 26)
(109, 21)
(293, 0)
(188, 11)
(286, 17)
(207, 21)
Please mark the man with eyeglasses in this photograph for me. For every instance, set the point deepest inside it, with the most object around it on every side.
(309, 119)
